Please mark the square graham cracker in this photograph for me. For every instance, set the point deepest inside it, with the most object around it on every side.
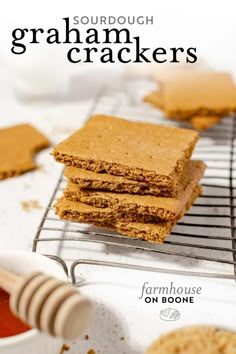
(119, 184)
(159, 207)
(102, 217)
(138, 151)
(200, 94)
(199, 122)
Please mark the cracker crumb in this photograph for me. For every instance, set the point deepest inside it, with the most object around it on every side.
(91, 351)
(64, 348)
(86, 337)
(29, 205)
(122, 338)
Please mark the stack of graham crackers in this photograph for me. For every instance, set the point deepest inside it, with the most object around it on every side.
(136, 178)
(201, 98)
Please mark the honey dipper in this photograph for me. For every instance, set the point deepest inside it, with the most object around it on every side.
(46, 303)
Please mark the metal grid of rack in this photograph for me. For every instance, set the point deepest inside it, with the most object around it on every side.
(206, 234)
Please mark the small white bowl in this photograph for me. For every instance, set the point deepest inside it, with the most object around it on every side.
(30, 342)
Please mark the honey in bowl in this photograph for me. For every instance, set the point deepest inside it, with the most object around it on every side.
(10, 325)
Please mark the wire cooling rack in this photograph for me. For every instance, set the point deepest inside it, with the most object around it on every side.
(201, 244)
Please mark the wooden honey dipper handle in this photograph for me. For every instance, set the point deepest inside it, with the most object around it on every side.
(46, 303)
(8, 280)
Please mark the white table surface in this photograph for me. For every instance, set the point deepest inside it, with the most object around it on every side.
(118, 310)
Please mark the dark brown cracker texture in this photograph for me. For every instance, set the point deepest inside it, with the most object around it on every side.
(105, 181)
(159, 207)
(155, 232)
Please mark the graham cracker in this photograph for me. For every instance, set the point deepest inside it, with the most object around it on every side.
(198, 122)
(105, 181)
(195, 340)
(138, 151)
(85, 213)
(18, 144)
(200, 94)
(155, 232)
(204, 123)
(159, 207)
(156, 99)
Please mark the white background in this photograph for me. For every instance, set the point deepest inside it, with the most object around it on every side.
(208, 25)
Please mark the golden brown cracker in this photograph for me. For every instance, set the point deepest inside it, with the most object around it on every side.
(154, 232)
(105, 181)
(204, 123)
(195, 340)
(138, 151)
(18, 144)
(199, 122)
(83, 213)
(159, 207)
(156, 99)
(200, 93)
